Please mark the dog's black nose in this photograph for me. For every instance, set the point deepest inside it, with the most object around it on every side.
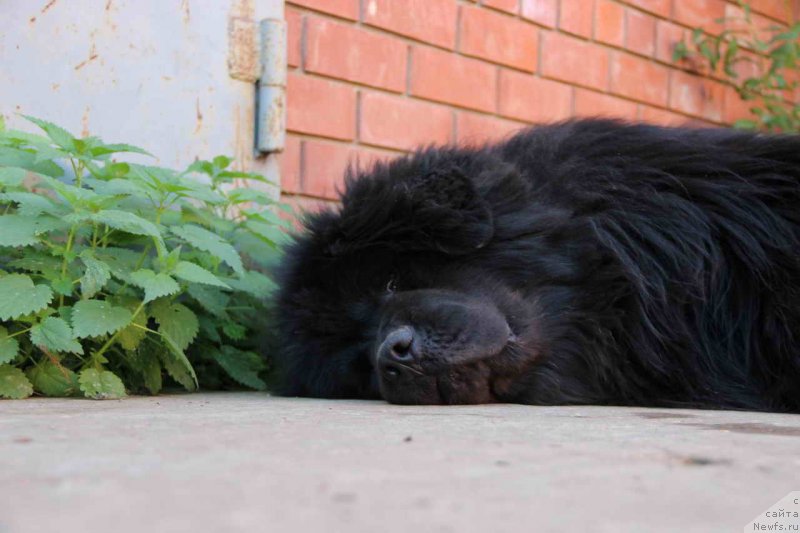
(397, 346)
(395, 352)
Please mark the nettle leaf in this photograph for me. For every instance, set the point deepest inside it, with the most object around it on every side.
(13, 383)
(19, 230)
(155, 285)
(242, 366)
(208, 327)
(101, 384)
(239, 196)
(19, 296)
(254, 283)
(266, 215)
(56, 335)
(57, 134)
(177, 322)
(146, 361)
(62, 286)
(178, 366)
(222, 161)
(212, 300)
(196, 274)
(199, 191)
(9, 346)
(13, 157)
(116, 187)
(269, 233)
(30, 204)
(121, 261)
(12, 176)
(134, 333)
(212, 243)
(92, 318)
(128, 222)
(203, 217)
(234, 331)
(53, 380)
(35, 261)
(104, 149)
(95, 276)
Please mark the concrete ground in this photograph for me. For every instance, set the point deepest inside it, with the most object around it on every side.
(249, 462)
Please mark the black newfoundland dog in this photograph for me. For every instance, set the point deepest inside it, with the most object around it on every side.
(587, 262)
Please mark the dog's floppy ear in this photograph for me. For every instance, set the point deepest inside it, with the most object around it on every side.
(448, 212)
(439, 210)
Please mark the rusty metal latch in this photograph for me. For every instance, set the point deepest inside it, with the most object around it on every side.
(271, 93)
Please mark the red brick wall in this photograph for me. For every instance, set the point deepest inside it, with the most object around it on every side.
(374, 78)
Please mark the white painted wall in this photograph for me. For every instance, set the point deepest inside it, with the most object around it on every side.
(154, 73)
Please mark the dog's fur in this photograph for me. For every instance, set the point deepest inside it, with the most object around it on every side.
(587, 262)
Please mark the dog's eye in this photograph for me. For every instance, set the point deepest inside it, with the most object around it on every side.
(391, 286)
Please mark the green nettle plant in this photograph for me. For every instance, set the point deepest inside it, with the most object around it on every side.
(115, 275)
(774, 52)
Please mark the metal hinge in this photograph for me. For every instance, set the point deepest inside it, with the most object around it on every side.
(271, 91)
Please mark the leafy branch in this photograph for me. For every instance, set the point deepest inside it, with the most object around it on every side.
(760, 63)
(116, 276)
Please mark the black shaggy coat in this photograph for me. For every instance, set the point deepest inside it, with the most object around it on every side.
(587, 262)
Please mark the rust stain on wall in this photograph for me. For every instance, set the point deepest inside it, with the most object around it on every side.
(187, 12)
(199, 117)
(243, 61)
(92, 56)
(48, 6)
(85, 122)
(242, 9)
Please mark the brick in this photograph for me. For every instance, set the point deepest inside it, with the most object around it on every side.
(578, 62)
(430, 21)
(498, 38)
(524, 97)
(446, 77)
(778, 9)
(320, 107)
(758, 27)
(474, 128)
(661, 117)
(592, 104)
(509, 6)
(695, 95)
(401, 123)
(354, 54)
(609, 23)
(734, 108)
(576, 17)
(700, 13)
(641, 33)
(750, 68)
(639, 79)
(326, 163)
(544, 12)
(668, 35)
(290, 165)
(659, 7)
(294, 30)
(341, 8)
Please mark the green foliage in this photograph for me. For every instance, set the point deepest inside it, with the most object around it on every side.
(115, 275)
(771, 55)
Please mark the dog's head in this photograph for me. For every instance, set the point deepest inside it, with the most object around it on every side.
(411, 291)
